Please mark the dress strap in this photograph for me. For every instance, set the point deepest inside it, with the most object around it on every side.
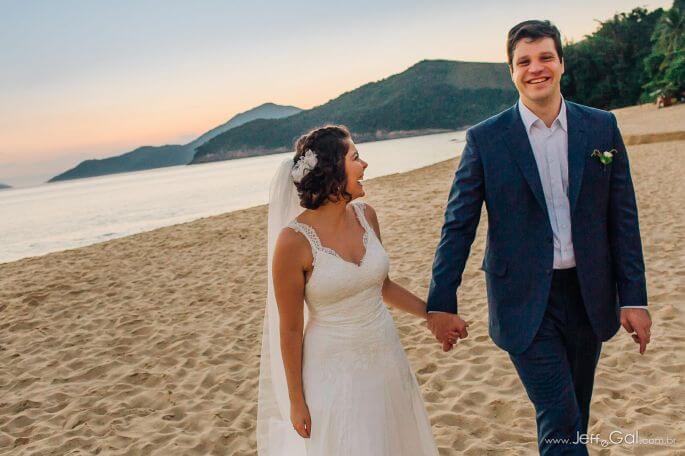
(309, 233)
(359, 209)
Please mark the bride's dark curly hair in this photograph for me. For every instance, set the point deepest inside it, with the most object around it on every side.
(327, 180)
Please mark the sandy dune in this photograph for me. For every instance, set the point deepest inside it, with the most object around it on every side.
(149, 344)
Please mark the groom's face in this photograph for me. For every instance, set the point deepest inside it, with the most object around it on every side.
(536, 70)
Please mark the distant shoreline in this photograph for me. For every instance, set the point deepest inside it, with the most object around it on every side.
(359, 139)
(389, 136)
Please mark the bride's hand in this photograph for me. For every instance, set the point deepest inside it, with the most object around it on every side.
(447, 327)
(299, 416)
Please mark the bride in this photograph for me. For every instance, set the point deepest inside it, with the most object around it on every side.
(334, 378)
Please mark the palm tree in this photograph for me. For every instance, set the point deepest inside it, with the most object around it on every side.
(665, 64)
(670, 32)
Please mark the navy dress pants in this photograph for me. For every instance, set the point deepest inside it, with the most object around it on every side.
(558, 368)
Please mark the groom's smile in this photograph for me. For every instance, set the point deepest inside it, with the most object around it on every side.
(536, 69)
(538, 80)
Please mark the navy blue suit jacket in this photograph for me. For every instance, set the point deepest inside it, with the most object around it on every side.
(498, 167)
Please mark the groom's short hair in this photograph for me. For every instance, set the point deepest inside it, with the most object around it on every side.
(533, 29)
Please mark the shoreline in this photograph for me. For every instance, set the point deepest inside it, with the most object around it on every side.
(98, 209)
(263, 207)
(365, 139)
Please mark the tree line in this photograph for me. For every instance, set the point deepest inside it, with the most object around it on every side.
(632, 58)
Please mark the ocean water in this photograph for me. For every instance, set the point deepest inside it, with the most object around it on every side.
(64, 215)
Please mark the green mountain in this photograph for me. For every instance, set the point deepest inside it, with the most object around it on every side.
(265, 111)
(431, 95)
(148, 157)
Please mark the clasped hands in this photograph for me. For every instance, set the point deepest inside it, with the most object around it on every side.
(447, 328)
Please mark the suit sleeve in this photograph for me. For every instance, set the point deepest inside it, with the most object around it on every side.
(624, 229)
(459, 229)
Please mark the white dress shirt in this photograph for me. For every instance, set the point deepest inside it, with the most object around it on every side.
(550, 148)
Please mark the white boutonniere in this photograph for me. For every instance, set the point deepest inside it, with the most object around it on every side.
(605, 157)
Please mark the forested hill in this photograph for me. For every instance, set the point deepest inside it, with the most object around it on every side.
(431, 95)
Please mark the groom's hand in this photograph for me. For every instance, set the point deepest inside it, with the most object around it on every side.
(638, 323)
(447, 328)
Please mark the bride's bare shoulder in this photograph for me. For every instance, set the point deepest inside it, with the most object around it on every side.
(292, 245)
(290, 238)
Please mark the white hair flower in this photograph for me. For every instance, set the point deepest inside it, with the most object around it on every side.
(305, 163)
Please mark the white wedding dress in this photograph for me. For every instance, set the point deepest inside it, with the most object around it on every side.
(362, 395)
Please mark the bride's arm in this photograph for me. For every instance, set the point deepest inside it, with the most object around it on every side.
(288, 269)
(395, 294)
(399, 297)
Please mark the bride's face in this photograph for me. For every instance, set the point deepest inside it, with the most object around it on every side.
(354, 171)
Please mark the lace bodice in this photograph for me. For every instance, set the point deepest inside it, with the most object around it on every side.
(334, 280)
(315, 242)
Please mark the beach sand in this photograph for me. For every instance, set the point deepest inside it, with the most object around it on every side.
(150, 344)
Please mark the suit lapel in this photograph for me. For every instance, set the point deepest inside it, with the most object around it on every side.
(519, 146)
(577, 140)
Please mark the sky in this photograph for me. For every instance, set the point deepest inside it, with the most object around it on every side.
(91, 79)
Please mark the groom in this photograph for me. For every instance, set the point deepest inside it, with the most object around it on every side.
(563, 261)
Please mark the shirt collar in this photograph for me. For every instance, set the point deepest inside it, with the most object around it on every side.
(529, 118)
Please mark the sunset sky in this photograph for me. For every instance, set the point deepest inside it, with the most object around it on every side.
(91, 79)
